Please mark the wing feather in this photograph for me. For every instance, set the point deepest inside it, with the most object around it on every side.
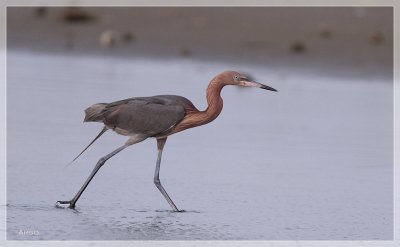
(148, 115)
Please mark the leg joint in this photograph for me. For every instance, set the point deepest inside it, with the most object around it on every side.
(101, 161)
(157, 181)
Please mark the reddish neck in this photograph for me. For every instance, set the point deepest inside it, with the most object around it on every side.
(215, 102)
(196, 118)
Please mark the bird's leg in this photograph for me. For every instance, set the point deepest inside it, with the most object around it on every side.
(99, 164)
(157, 182)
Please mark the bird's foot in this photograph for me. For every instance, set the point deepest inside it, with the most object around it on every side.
(71, 204)
(179, 211)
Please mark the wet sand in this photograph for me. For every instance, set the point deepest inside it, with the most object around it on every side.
(337, 41)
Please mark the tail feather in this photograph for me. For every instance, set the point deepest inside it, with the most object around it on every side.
(97, 137)
(94, 113)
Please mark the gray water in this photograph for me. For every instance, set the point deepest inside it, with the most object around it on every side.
(312, 162)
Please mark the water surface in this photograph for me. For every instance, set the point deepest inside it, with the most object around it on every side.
(312, 162)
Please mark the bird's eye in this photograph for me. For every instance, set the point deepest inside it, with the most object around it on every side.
(236, 78)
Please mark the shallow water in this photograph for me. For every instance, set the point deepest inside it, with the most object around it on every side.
(313, 161)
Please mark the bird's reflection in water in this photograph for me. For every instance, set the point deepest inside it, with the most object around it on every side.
(162, 225)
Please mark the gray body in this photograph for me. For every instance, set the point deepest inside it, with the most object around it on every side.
(144, 116)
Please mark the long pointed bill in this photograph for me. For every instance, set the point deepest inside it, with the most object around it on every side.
(256, 84)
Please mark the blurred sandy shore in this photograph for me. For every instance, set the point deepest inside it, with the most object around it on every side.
(335, 40)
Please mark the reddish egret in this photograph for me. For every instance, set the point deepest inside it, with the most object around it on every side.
(158, 117)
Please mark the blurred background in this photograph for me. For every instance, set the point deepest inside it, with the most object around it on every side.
(311, 162)
(351, 40)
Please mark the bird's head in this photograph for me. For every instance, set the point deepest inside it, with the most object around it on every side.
(235, 78)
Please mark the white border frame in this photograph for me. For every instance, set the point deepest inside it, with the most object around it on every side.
(282, 3)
